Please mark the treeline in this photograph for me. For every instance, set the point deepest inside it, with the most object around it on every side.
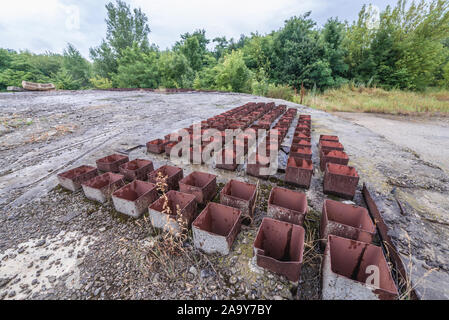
(405, 47)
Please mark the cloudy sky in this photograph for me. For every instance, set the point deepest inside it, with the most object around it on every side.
(47, 25)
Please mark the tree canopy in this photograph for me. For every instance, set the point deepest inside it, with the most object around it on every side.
(405, 46)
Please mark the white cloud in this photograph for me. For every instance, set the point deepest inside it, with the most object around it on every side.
(47, 25)
(44, 25)
(229, 18)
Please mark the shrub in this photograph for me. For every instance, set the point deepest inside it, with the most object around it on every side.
(280, 92)
(233, 74)
(100, 82)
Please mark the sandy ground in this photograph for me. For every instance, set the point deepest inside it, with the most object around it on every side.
(58, 245)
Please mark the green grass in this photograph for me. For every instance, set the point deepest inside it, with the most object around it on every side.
(376, 100)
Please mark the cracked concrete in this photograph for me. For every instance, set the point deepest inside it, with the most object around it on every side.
(61, 130)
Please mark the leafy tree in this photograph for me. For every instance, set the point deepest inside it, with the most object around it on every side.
(422, 28)
(298, 54)
(100, 83)
(358, 43)
(256, 53)
(406, 48)
(17, 67)
(194, 48)
(205, 78)
(76, 66)
(137, 69)
(221, 47)
(174, 70)
(236, 45)
(445, 80)
(105, 60)
(333, 35)
(233, 74)
(47, 64)
(125, 28)
(5, 59)
(64, 80)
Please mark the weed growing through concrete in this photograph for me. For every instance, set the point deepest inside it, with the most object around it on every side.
(162, 254)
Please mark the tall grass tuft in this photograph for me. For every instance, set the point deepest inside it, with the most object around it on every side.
(356, 98)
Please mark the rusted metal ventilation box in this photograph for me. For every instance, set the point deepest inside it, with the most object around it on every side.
(287, 205)
(136, 169)
(169, 146)
(111, 163)
(101, 187)
(304, 131)
(254, 169)
(330, 145)
(216, 228)
(279, 248)
(299, 172)
(168, 221)
(301, 152)
(228, 160)
(333, 156)
(347, 221)
(340, 180)
(134, 198)
(157, 146)
(324, 137)
(301, 136)
(302, 143)
(354, 270)
(240, 195)
(72, 179)
(302, 128)
(173, 174)
(202, 185)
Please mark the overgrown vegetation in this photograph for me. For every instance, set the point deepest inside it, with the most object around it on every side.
(403, 47)
(361, 99)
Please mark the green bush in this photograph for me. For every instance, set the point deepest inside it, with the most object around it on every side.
(280, 92)
(233, 74)
(100, 82)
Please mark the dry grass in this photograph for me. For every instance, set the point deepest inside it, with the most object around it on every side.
(376, 100)
(166, 248)
(57, 131)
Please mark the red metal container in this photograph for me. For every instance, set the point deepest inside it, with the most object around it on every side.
(279, 248)
(347, 221)
(228, 160)
(333, 156)
(216, 228)
(329, 145)
(348, 268)
(324, 137)
(340, 180)
(111, 163)
(136, 169)
(156, 146)
(175, 200)
(202, 185)
(255, 169)
(173, 174)
(133, 199)
(299, 172)
(240, 195)
(287, 205)
(100, 188)
(301, 152)
(72, 179)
